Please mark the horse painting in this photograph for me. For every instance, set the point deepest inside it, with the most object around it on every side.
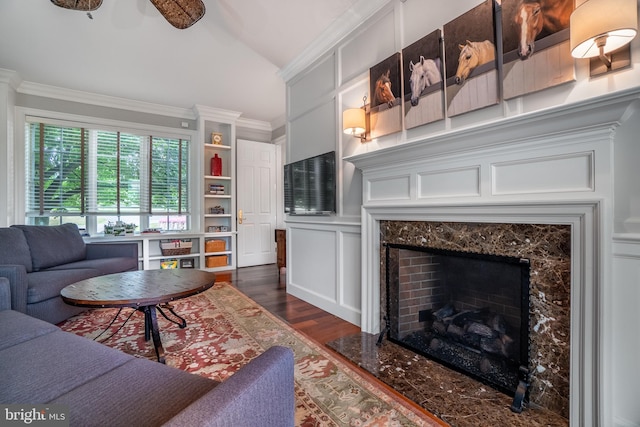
(424, 73)
(383, 91)
(472, 55)
(534, 16)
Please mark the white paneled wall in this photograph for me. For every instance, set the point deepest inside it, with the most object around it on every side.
(323, 266)
(626, 299)
(474, 161)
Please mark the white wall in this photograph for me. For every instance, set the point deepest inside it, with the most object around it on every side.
(338, 78)
(8, 83)
(625, 342)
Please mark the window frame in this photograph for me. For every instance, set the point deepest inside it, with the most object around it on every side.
(25, 115)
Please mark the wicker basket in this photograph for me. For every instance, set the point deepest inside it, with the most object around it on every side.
(175, 247)
(214, 246)
(217, 261)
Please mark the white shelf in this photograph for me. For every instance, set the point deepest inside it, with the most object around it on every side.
(217, 196)
(223, 268)
(149, 252)
(159, 257)
(220, 234)
(217, 215)
(217, 146)
(218, 253)
(222, 178)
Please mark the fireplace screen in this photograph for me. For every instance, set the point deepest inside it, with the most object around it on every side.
(468, 311)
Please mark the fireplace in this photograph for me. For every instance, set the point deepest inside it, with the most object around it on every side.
(468, 311)
(541, 183)
(539, 252)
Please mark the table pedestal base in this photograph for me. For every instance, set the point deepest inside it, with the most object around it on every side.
(151, 329)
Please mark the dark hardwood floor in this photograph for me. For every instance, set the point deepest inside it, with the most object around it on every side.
(263, 285)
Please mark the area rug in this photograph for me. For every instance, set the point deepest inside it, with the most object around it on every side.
(226, 329)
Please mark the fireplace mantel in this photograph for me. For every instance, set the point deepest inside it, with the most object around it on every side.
(553, 166)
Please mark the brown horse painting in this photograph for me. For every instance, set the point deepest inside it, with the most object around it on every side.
(472, 55)
(383, 90)
(534, 16)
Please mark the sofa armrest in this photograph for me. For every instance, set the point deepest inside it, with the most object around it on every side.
(261, 393)
(5, 294)
(112, 250)
(17, 276)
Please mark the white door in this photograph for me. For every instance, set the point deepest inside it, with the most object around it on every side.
(256, 202)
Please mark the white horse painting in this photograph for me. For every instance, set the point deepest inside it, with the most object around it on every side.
(424, 73)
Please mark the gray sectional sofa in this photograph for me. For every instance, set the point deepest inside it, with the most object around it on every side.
(100, 386)
(39, 261)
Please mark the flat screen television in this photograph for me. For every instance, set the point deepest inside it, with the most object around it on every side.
(310, 185)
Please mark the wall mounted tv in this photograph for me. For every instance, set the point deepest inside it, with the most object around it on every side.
(310, 185)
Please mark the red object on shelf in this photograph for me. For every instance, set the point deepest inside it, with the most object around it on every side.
(216, 165)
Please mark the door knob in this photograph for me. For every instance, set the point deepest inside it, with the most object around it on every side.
(240, 216)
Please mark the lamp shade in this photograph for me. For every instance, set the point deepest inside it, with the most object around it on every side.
(615, 19)
(354, 121)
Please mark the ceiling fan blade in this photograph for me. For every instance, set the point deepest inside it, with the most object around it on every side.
(180, 13)
(84, 5)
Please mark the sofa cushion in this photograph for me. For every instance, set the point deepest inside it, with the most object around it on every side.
(103, 265)
(14, 249)
(53, 245)
(138, 393)
(43, 368)
(48, 284)
(18, 327)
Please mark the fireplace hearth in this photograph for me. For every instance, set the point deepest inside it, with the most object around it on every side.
(468, 311)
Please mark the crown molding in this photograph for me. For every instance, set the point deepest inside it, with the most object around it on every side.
(11, 78)
(216, 114)
(330, 37)
(38, 89)
(254, 124)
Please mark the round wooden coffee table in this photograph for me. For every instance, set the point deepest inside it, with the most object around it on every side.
(145, 290)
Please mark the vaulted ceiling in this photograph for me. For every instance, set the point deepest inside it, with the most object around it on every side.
(229, 59)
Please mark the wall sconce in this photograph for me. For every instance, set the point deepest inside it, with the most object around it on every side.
(600, 27)
(355, 121)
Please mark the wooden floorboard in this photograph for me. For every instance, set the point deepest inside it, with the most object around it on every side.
(265, 286)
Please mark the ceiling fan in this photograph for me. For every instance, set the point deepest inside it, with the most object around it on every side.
(180, 13)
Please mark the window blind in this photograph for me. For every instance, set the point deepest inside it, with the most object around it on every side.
(85, 171)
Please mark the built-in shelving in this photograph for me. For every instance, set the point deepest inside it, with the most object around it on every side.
(216, 225)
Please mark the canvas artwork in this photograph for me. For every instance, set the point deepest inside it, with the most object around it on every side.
(470, 56)
(535, 38)
(385, 90)
(423, 83)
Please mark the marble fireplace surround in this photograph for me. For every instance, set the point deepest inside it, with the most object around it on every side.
(548, 248)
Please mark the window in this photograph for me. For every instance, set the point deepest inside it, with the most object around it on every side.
(93, 176)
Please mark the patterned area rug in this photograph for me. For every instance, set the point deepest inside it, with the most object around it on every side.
(225, 329)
